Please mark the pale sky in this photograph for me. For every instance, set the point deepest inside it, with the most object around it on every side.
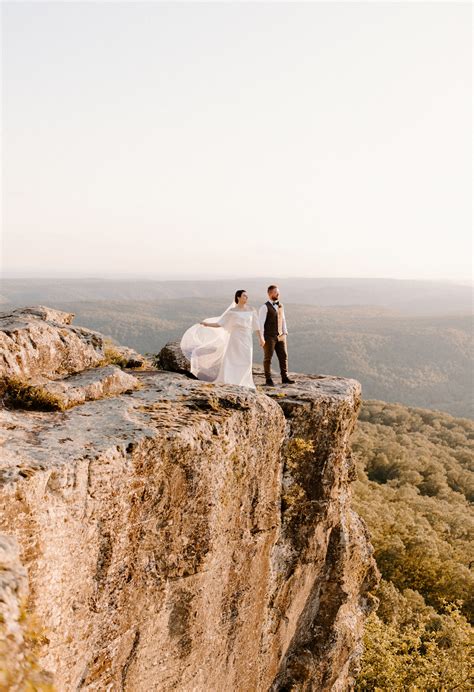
(232, 138)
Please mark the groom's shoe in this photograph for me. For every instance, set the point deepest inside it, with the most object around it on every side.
(269, 382)
(286, 380)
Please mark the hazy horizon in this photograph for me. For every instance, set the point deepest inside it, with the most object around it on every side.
(217, 277)
(208, 140)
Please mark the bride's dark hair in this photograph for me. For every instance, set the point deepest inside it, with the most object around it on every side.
(238, 294)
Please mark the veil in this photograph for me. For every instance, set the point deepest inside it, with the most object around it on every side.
(204, 347)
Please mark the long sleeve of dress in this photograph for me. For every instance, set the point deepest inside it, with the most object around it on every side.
(225, 321)
(284, 327)
(255, 321)
(262, 316)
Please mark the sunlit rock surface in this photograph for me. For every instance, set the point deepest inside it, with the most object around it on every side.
(191, 536)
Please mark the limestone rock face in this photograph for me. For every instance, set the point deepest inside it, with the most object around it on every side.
(13, 588)
(190, 536)
(19, 668)
(66, 365)
(40, 341)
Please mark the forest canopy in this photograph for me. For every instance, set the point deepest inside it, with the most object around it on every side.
(415, 483)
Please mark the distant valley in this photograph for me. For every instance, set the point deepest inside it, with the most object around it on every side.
(398, 354)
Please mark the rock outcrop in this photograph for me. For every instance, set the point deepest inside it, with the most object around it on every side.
(40, 342)
(184, 535)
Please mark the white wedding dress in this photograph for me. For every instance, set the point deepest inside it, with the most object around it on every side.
(223, 354)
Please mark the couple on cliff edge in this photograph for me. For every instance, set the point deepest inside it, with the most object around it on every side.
(224, 354)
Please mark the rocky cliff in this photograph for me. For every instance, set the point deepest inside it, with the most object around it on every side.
(177, 535)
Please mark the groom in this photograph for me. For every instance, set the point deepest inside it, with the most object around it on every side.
(272, 321)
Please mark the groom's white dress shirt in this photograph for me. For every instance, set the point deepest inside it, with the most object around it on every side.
(262, 316)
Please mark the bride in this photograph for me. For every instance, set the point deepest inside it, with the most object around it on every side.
(224, 353)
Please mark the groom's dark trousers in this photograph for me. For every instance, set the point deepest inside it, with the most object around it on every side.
(272, 345)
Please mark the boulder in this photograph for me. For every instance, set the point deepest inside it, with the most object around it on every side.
(41, 342)
(172, 358)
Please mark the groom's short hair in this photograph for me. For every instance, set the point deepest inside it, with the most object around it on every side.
(270, 288)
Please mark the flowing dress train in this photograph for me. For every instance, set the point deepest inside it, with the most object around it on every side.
(226, 356)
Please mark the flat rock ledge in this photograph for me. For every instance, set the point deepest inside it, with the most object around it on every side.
(89, 385)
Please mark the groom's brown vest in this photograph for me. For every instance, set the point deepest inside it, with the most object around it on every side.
(270, 327)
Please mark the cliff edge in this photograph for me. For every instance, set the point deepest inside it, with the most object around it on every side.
(178, 534)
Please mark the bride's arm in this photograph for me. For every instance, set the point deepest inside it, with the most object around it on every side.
(209, 324)
(256, 327)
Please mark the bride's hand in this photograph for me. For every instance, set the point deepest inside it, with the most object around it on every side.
(203, 324)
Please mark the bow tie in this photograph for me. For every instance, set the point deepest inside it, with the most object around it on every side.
(276, 302)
